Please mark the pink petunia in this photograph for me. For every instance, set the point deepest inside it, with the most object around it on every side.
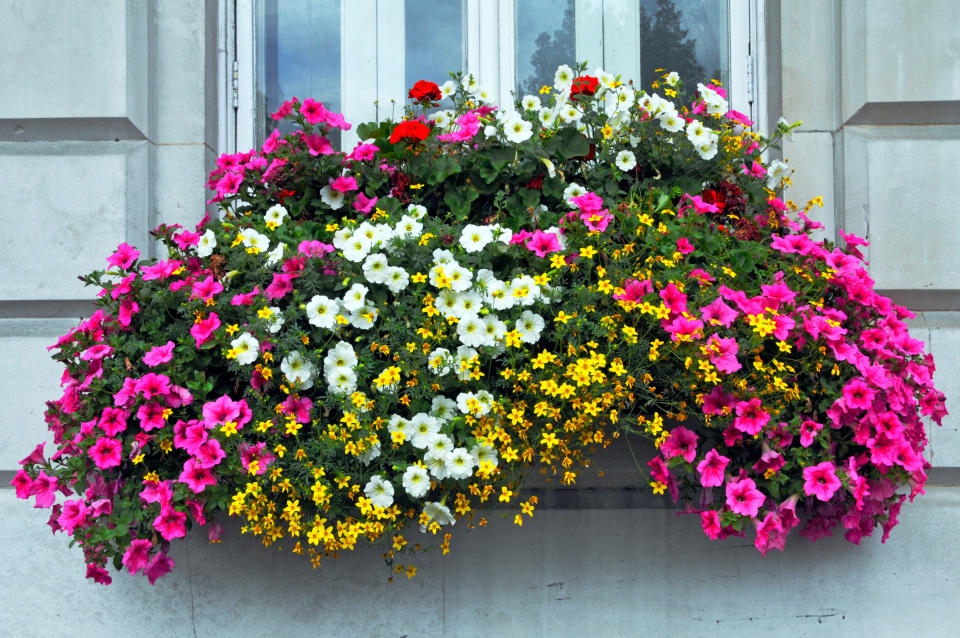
(299, 407)
(137, 555)
(364, 204)
(710, 522)
(209, 453)
(744, 498)
(363, 152)
(45, 489)
(468, 125)
(246, 298)
(857, 394)
(156, 492)
(821, 481)
(318, 145)
(124, 257)
(159, 565)
(808, 432)
(152, 385)
(751, 416)
(106, 452)
(23, 484)
(343, 184)
(98, 574)
(542, 243)
(712, 468)
(723, 353)
(206, 289)
(196, 477)
(680, 442)
(683, 329)
(684, 246)
(113, 421)
(596, 220)
(203, 329)
(73, 515)
(151, 416)
(281, 285)
(171, 523)
(250, 453)
(158, 355)
(312, 111)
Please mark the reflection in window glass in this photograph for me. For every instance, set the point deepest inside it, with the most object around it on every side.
(545, 40)
(434, 39)
(299, 56)
(686, 36)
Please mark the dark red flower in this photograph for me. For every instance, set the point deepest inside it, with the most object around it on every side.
(410, 129)
(717, 198)
(585, 84)
(536, 183)
(424, 91)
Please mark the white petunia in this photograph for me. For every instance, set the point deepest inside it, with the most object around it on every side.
(463, 362)
(355, 297)
(375, 268)
(671, 122)
(626, 160)
(206, 244)
(379, 491)
(459, 278)
(517, 130)
(672, 79)
(443, 408)
(254, 241)
(438, 513)
(469, 303)
(363, 317)
(341, 355)
(332, 198)
(407, 228)
(459, 464)
(246, 348)
(341, 238)
(448, 88)
(370, 453)
(482, 453)
(547, 117)
(399, 424)
(417, 211)
(416, 481)
(474, 238)
(297, 369)
(707, 151)
(397, 279)
(573, 190)
(563, 78)
(341, 380)
(276, 214)
(423, 428)
(530, 103)
(776, 172)
(442, 256)
(472, 331)
(275, 255)
(322, 312)
(277, 318)
(494, 329)
(356, 249)
(530, 325)
(439, 362)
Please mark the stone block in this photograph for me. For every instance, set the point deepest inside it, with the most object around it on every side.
(809, 50)
(49, 71)
(941, 333)
(34, 379)
(180, 173)
(811, 156)
(71, 205)
(185, 70)
(896, 51)
(897, 195)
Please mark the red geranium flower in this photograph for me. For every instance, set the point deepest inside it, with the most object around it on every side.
(410, 129)
(424, 91)
(585, 84)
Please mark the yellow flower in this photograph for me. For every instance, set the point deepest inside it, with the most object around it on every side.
(229, 428)
(545, 89)
(231, 329)
(418, 278)
(588, 251)
(557, 260)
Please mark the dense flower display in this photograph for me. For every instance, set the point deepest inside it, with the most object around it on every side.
(370, 344)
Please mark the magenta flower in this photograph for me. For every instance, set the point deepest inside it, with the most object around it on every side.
(152, 385)
(673, 299)
(281, 285)
(857, 394)
(206, 289)
(343, 184)
(681, 442)
(468, 125)
(808, 432)
(226, 409)
(299, 407)
(710, 522)
(23, 484)
(124, 257)
(128, 308)
(723, 353)
(751, 416)
(821, 481)
(203, 329)
(106, 452)
(313, 111)
(363, 152)
(196, 477)
(209, 453)
(739, 118)
(98, 574)
(229, 184)
(683, 329)
(171, 523)
(743, 497)
(250, 453)
(543, 243)
(159, 354)
(364, 204)
(157, 567)
(770, 533)
(73, 515)
(712, 468)
(45, 489)
(137, 554)
(151, 416)
(157, 492)
(588, 202)
(318, 145)
(634, 290)
(684, 246)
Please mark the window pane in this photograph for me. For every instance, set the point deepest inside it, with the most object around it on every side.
(545, 39)
(299, 55)
(686, 36)
(434, 39)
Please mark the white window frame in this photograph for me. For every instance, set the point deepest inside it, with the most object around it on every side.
(489, 43)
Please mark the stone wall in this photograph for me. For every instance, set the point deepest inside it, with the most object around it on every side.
(108, 125)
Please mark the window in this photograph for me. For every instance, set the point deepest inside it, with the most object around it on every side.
(361, 56)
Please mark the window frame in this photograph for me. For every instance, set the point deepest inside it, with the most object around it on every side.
(489, 32)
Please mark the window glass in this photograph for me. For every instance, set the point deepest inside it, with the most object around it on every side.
(686, 36)
(434, 39)
(299, 55)
(545, 39)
